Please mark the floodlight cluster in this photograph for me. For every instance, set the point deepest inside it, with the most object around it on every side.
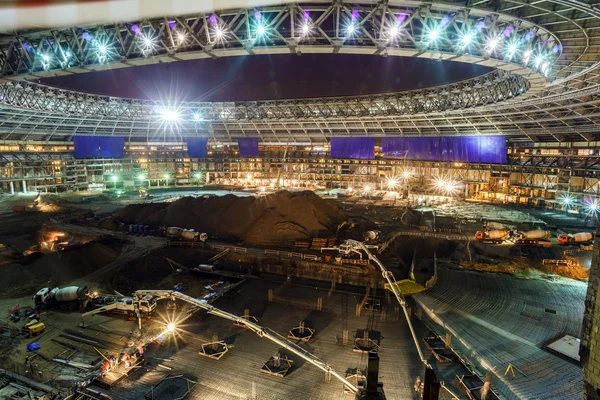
(486, 39)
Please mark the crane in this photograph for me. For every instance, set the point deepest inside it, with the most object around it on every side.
(259, 330)
(389, 276)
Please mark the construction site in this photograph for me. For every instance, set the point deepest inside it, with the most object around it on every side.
(229, 293)
(306, 200)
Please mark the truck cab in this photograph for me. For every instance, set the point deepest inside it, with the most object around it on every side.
(479, 236)
(43, 296)
(147, 304)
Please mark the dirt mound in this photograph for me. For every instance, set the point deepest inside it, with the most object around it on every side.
(276, 219)
(54, 268)
(142, 273)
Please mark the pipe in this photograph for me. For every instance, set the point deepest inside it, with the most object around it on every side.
(259, 330)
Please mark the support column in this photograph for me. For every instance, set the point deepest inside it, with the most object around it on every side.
(590, 333)
(24, 186)
(12, 188)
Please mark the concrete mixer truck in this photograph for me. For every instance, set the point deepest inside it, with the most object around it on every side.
(69, 298)
(534, 238)
(495, 236)
(576, 238)
(188, 235)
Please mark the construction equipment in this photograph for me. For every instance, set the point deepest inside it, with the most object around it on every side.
(70, 298)
(371, 236)
(532, 237)
(125, 306)
(495, 236)
(579, 238)
(34, 328)
(189, 235)
(259, 330)
(389, 276)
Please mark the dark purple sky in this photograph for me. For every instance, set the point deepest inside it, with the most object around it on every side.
(269, 77)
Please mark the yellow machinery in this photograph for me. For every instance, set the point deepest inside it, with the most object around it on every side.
(34, 328)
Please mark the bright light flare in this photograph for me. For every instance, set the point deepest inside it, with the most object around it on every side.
(567, 200)
(434, 35)
(391, 183)
(115, 178)
(198, 176)
(170, 115)
(141, 177)
(467, 39)
(351, 29)
(260, 30)
(171, 327)
(102, 49)
(592, 207)
(393, 32)
(167, 177)
(406, 174)
(492, 44)
(305, 29)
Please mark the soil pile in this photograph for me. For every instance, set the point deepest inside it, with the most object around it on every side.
(276, 219)
(54, 269)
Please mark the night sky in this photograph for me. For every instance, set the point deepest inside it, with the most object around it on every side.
(269, 77)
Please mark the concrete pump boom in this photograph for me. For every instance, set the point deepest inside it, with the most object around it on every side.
(389, 276)
(259, 330)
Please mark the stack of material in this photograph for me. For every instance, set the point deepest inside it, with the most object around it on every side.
(318, 243)
(331, 241)
(277, 219)
(302, 244)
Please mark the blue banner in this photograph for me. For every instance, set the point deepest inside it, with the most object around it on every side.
(361, 148)
(469, 149)
(99, 146)
(111, 146)
(196, 147)
(248, 147)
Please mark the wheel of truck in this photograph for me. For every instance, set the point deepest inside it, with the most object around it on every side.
(72, 307)
(130, 314)
(63, 307)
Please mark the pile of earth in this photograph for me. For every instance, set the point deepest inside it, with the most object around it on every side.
(276, 219)
(39, 269)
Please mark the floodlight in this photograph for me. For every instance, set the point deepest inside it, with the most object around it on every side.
(141, 177)
(198, 176)
(167, 177)
(467, 38)
(367, 188)
(512, 48)
(219, 33)
(102, 49)
(197, 117)
(46, 57)
(492, 44)
(433, 35)
(391, 183)
(115, 178)
(148, 42)
(169, 115)
(350, 29)
(393, 32)
(405, 174)
(171, 327)
(305, 29)
(260, 30)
